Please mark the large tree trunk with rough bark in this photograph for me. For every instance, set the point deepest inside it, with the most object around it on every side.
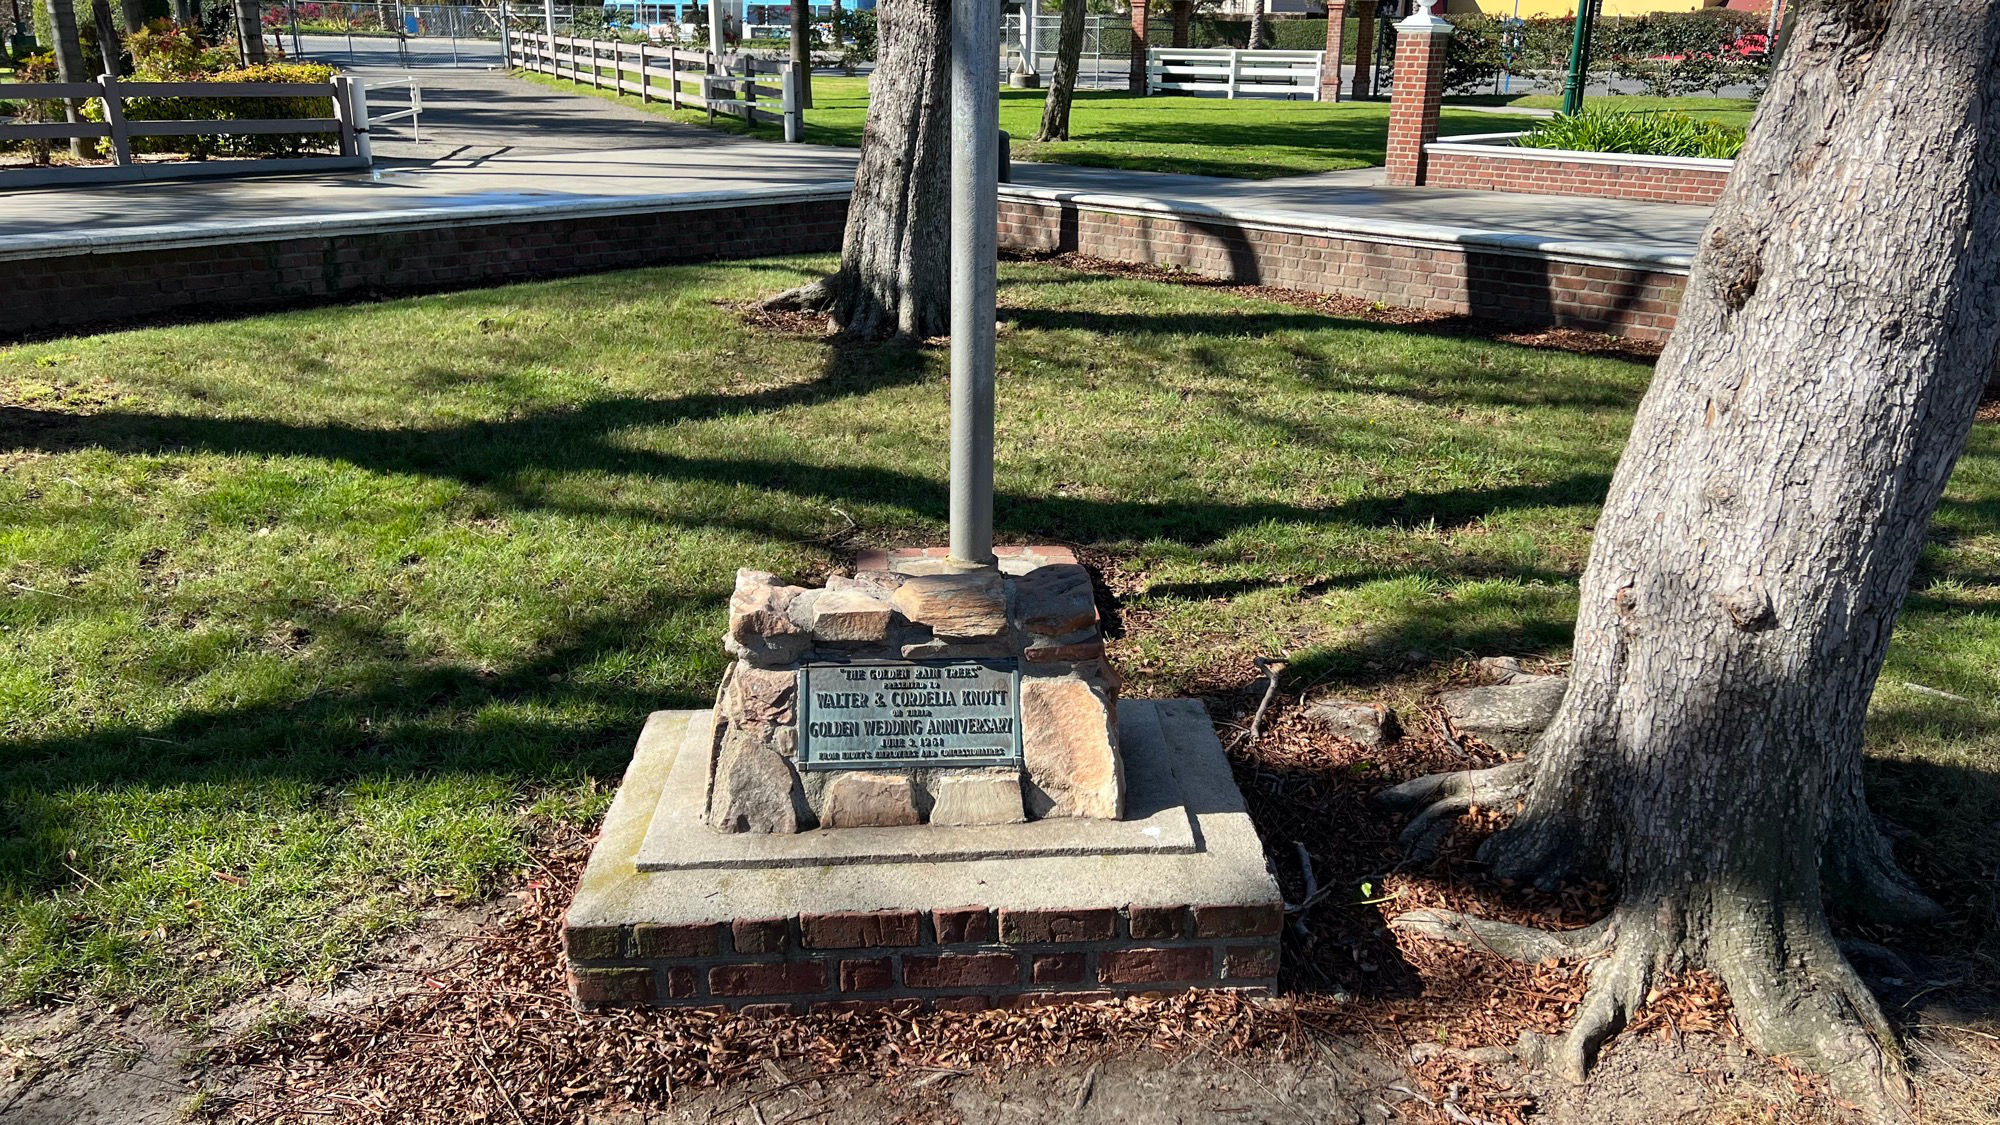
(1062, 88)
(1260, 28)
(1840, 323)
(895, 259)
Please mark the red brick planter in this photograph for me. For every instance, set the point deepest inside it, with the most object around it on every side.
(961, 959)
(1492, 163)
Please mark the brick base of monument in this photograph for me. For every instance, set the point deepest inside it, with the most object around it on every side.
(1065, 911)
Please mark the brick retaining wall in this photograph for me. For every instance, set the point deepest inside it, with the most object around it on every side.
(1435, 269)
(963, 959)
(1526, 288)
(1494, 167)
(208, 277)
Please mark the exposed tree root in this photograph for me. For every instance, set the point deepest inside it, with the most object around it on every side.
(1444, 797)
(814, 296)
(1527, 944)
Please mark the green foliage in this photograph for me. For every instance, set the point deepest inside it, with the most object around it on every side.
(158, 67)
(1651, 134)
(1671, 53)
(30, 111)
(311, 621)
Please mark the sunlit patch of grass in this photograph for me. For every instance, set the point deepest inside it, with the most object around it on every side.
(311, 621)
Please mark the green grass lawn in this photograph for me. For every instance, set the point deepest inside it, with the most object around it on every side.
(1246, 139)
(311, 621)
(1728, 111)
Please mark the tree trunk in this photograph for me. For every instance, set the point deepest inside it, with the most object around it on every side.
(1758, 540)
(1062, 88)
(185, 13)
(70, 64)
(839, 14)
(1182, 10)
(249, 32)
(802, 49)
(1260, 28)
(133, 13)
(895, 259)
(108, 49)
(1136, 78)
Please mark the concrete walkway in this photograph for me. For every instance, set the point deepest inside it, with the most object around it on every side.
(495, 142)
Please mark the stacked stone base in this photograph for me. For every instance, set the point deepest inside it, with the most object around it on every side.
(1069, 919)
(963, 959)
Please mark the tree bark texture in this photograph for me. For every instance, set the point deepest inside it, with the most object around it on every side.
(1183, 12)
(1260, 28)
(250, 32)
(108, 49)
(894, 276)
(70, 63)
(802, 50)
(1062, 87)
(133, 14)
(1840, 322)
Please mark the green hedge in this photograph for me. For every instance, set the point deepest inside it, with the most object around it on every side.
(234, 109)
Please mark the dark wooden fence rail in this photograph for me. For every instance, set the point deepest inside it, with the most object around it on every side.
(349, 122)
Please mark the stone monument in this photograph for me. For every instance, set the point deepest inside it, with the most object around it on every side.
(918, 787)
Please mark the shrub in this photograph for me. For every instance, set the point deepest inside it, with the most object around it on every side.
(225, 108)
(1650, 134)
(34, 111)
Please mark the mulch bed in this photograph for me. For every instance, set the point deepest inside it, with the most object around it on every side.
(492, 1037)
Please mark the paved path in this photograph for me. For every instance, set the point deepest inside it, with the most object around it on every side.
(498, 141)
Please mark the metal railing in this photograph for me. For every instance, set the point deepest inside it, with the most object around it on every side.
(413, 113)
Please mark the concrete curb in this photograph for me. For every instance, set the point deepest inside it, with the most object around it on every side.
(181, 235)
(1389, 231)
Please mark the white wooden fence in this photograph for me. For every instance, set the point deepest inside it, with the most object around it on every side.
(349, 108)
(1234, 73)
(740, 88)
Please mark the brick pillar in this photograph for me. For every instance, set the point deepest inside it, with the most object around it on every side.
(1329, 68)
(1416, 95)
(1364, 46)
(1138, 77)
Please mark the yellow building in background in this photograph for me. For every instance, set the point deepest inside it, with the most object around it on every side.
(1539, 9)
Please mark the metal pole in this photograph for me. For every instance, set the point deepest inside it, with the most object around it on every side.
(1030, 44)
(975, 219)
(1579, 59)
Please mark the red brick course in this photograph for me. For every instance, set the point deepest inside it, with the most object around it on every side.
(1501, 285)
(674, 941)
(39, 295)
(1155, 966)
(974, 958)
(761, 935)
(775, 978)
(1238, 921)
(1519, 288)
(1500, 172)
(961, 970)
(861, 930)
(1024, 926)
(969, 924)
